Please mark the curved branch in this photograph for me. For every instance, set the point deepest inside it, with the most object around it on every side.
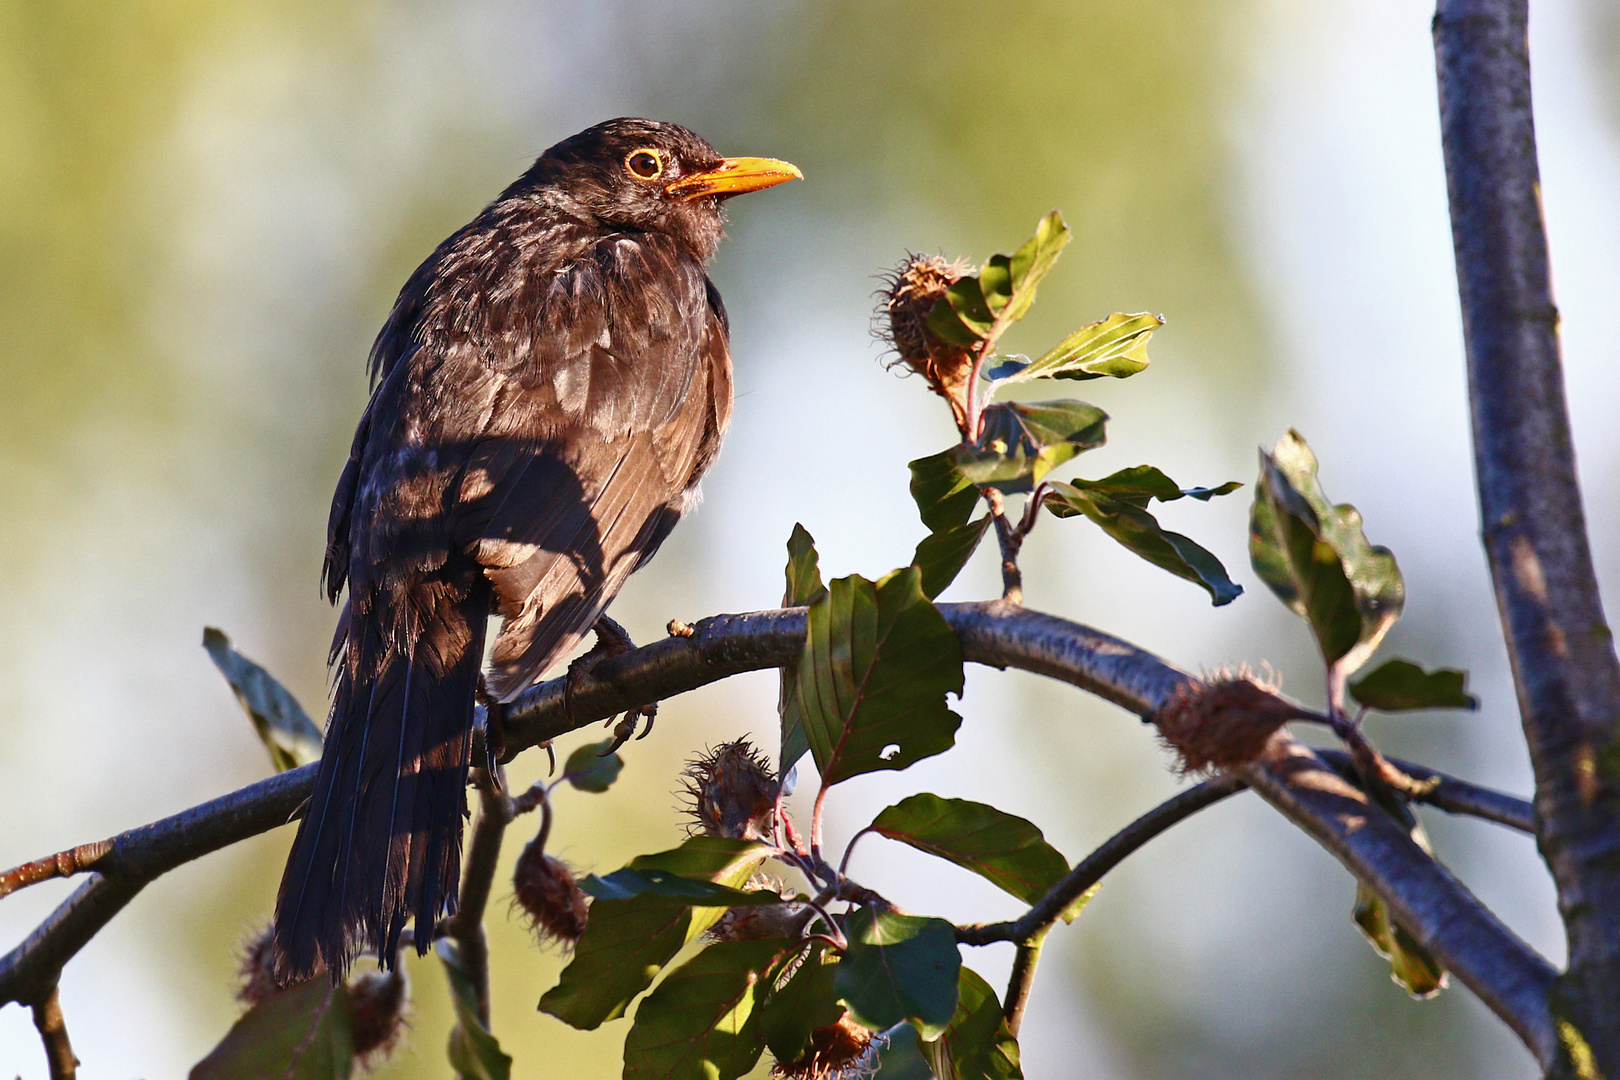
(1090, 870)
(1450, 794)
(1433, 906)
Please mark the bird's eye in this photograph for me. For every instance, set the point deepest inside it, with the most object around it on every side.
(646, 164)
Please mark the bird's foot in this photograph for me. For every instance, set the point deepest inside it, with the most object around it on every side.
(494, 731)
(611, 640)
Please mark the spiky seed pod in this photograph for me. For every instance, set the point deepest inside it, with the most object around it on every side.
(545, 889)
(910, 292)
(1223, 720)
(732, 789)
(257, 969)
(840, 1051)
(785, 920)
(381, 1012)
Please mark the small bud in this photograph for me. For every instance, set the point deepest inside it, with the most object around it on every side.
(910, 293)
(1223, 720)
(733, 792)
(381, 1002)
(756, 923)
(545, 889)
(840, 1051)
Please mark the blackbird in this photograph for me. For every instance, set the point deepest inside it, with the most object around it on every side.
(548, 389)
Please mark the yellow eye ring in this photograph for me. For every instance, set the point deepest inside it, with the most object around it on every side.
(645, 164)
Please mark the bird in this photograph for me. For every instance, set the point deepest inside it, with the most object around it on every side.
(547, 391)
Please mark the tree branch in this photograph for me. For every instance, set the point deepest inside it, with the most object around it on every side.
(53, 1032)
(466, 926)
(1534, 526)
(1432, 905)
(1090, 870)
(1450, 794)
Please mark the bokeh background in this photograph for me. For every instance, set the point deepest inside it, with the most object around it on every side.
(205, 209)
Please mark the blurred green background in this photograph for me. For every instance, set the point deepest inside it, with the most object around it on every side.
(205, 209)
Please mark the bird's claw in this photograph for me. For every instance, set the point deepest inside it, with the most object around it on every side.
(626, 726)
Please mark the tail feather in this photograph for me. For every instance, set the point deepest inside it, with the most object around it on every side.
(381, 842)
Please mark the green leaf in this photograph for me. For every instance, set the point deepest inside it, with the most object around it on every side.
(1410, 964)
(807, 1000)
(978, 1044)
(941, 555)
(627, 942)
(1127, 521)
(305, 1032)
(945, 497)
(626, 883)
(945, 324)
(899, 967)
(283, 725)
(1399, 685)
(1006, 850)
(1317, 560)
(1022, 441)
(589, 769)
(1078, 904)
(877, 663)
(804, 587)
(1008, 283)
(702, 1022)
(475, 1054)
(1142, 483)
(1115, 346)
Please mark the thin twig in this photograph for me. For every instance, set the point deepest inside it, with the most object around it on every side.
(75, 860)
(1449, 793)
(1022, 979)
(466, 926)
(1011, 541)
(1090, 870)
(53, 1033)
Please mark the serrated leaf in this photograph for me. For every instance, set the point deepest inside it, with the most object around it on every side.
(941, 555)
(1316, 558)
(1022, 441)
(702, 1022)
(1008, 283)
(790, 1010)
(877, 663)
(474, 1053)
(627, 942)
(945, 497)
(1410, 964)
(804, 587)
(627, 883)
(1129, 523)
(1114, 347)
(305, 1032)
(899, 967)
(1399, 685)
(1002, 848)
(283, 726)
(978, 1044)
(589, 769)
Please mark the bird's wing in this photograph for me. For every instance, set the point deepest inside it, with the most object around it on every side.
(605, 411)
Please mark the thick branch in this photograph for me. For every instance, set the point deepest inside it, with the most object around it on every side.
(1562, 652)
(1434, 907)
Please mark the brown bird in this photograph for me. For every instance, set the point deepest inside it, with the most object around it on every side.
(549, 388)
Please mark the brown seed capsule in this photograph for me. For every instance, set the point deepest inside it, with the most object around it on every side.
(257, 969)
(785, 920)
(732, 789)
(544, 888)
(910, 293)
(1223, 720)
(381, 1002)
(837, 1052)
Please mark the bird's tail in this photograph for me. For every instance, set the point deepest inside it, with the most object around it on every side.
(381, 841)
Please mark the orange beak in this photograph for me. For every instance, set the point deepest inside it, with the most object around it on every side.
(735, 176)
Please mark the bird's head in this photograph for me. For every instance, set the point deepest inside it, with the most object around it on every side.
(646, 175)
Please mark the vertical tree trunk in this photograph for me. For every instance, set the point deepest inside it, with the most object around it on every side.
(1534, 530)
